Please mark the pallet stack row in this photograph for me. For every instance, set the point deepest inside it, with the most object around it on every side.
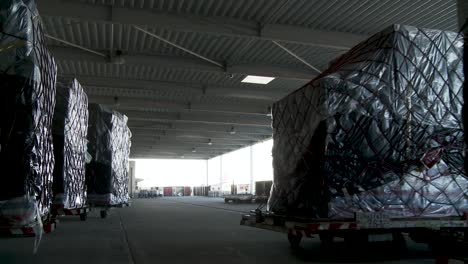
(45, 135)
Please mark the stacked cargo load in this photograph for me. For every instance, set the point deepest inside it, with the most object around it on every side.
(28, 75)
(109, 146)
(70, 128)
(380, 131)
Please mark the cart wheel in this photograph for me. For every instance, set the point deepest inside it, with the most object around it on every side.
(294, 240)
(83, 216)
(103, 213)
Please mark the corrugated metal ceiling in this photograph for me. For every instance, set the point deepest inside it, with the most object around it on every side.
(215, 88)
(356, 16)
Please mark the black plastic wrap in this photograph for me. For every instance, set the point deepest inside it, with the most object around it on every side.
(27, 101)
(380, 130)
(109, 145)
(70, 128)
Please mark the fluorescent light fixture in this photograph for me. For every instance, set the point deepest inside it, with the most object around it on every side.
(257, 79)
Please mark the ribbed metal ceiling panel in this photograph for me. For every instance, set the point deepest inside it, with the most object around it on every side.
(166, 87)
(107, 37)
(357, 16)
(245, 9)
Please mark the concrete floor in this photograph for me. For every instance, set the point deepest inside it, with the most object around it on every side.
(183, 230)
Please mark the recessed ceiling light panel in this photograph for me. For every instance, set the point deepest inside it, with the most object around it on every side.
(257, 79)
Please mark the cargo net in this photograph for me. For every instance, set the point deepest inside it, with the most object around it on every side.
(70, 131)
(380, 131)
(28, 75)
(109, 145)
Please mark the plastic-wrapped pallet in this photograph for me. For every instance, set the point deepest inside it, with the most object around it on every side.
(27, 87)
(70, 128)
(109, 145)
(380, 130)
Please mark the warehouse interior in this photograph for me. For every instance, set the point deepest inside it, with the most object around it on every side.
(201, 125)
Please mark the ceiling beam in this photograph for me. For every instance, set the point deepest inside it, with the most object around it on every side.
(171, 139)
(163, 156)
(65, 54)
(207, 25)
(154, 104)
(95, 85)
(204, 118)
(191, 141)
(200, 135)
(172, 152)
(186, 146)
(154, 127)
(179, 151)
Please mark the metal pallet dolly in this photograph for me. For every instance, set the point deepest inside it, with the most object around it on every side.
(48, 226)
(441, 234)
(58, 210)
(105, 208)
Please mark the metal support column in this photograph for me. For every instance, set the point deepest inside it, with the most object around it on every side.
(207, 173)
(251, 171)
(131, 176)
(221, 173)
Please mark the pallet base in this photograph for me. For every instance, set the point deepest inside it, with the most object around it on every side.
(447, 236)
(27, 231)
(104, 209)
(60, 211)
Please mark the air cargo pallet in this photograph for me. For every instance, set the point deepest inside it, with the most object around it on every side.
(239, 198)
(444, 234)
(57, 210)
(105, 208)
